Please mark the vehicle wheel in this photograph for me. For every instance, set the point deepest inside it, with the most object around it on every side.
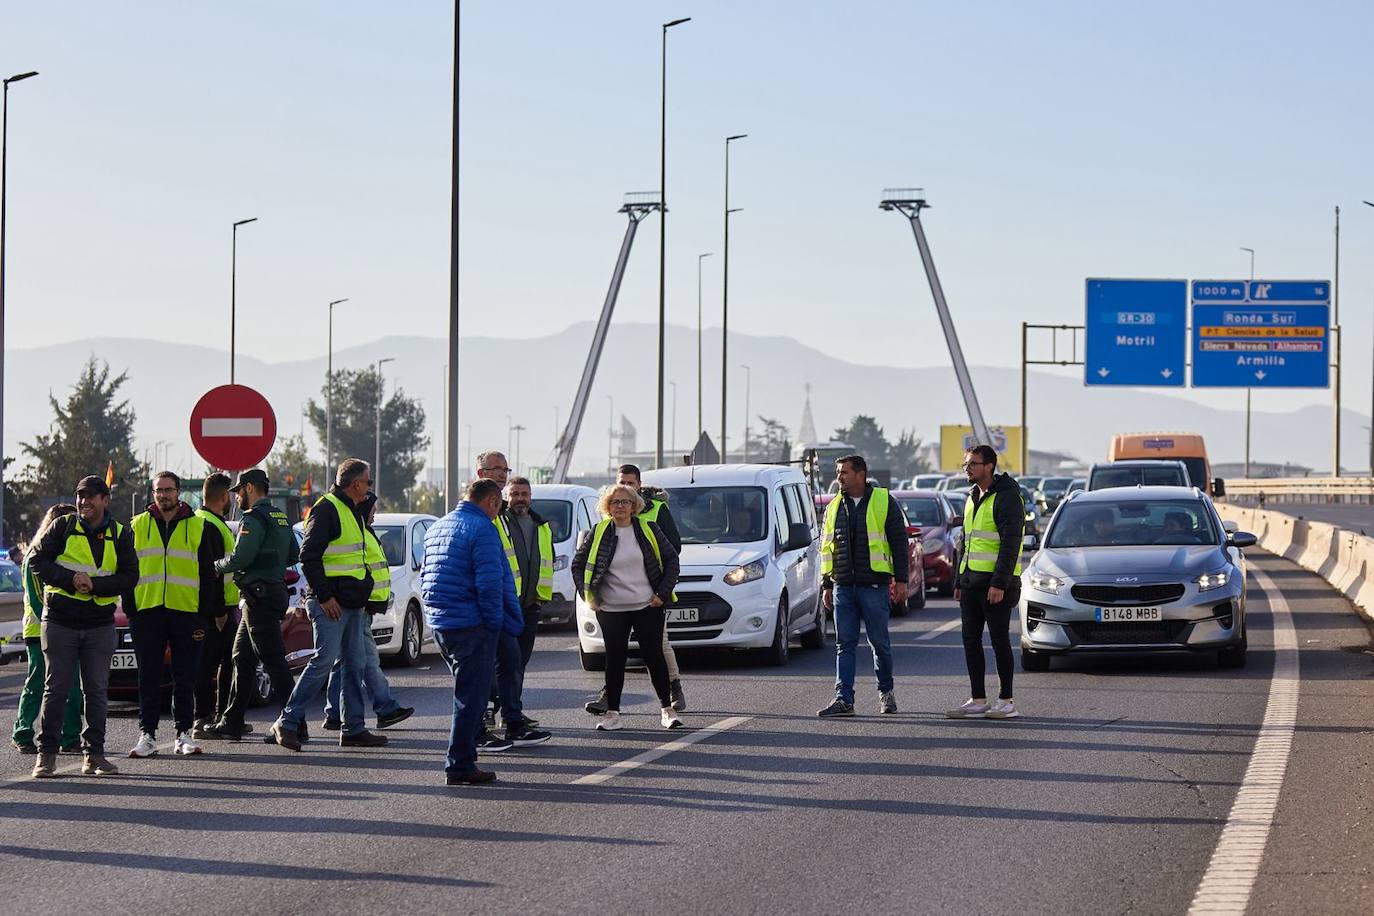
(412, 638)
(591, 661)
(1233, 656)
(778, 653)
(946, 589)
(916, 600)
(1032, 660)
(262, 688)
(815, 637)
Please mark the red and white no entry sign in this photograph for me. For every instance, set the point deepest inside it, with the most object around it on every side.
(233, 427)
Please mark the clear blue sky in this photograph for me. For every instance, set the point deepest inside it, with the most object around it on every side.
(1056, 140)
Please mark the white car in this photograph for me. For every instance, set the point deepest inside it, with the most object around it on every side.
(569, 510)
(750, 562)
(402, 630)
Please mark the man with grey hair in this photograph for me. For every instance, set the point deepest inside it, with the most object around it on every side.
(332, 557)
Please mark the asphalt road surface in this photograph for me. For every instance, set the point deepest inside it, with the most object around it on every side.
(1350, 516)
(1110, 795)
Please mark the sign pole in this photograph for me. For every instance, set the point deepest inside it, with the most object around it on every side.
(1336, 330)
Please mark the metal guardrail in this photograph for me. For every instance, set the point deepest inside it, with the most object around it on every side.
(1262, 491)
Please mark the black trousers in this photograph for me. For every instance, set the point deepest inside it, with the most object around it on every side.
(258, 639)
(215, 674)
(975, 613)
(153, 631)
(527, 637)
(526, 643)
(647, 624)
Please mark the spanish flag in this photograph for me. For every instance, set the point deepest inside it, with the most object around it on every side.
(307, 488)
(109, 474)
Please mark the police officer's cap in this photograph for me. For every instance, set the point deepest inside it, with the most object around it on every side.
(256, 476)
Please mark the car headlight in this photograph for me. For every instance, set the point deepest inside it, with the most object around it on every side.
(1044, 582)
(746, 573)
(560, 562)
(1208, 581)
(933, 545)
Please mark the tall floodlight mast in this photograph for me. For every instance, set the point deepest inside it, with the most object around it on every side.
(910, 202)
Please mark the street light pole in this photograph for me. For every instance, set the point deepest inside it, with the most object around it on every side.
(663, 223)
(1336, 399)
(381, 399)
(451, 373)
(725, 304)
(329, 395)
(4, 188)
(748, 382)
(1247, 390)
(701, 415)
(233, 291)
(1371, 404)
(518, 430)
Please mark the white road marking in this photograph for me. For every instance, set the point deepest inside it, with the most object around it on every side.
(1230, 877)
(663, 750)
(941, 629)
(211, 427)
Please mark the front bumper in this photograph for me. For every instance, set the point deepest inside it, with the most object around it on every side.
(1194, 621)
(561, 609)
(730, 616)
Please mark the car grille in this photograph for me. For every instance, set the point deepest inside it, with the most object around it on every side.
(713, 608)
(682, 579)
(1128, 594)
(675, 636)
(1165, 631)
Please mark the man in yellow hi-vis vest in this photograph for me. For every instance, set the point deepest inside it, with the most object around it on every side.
(177, 593)
(863, 554)
(989, 579)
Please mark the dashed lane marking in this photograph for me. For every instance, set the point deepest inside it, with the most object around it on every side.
(1230, 877)
(941, 629)
(663, 750)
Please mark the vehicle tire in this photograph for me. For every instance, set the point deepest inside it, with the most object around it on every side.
(778, 653)
(815, 637)
(262, 688)
(1233, 656)
(946, 589)
(916, 600)
(1032, 660)
(591, 661)
(412, 638)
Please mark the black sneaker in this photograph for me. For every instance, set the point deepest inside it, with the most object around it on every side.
(219, 731)
(331, 725)
(524, 735)
(837, 708)
(474, 778)
(392, 718)
(492, 743)
(679, 698)
(362, 739)
(598, 706)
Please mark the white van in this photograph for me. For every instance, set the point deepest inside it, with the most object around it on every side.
(402, 631)
(750, 561)
(569, 510)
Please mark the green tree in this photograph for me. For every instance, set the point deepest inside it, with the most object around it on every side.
(868, 440)
(426, 498)
(770, 443)
(906, 459)
(290, 465)
(92, 431)
(357, 393)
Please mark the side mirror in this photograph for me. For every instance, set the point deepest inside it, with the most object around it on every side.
(1242, 539)
(1218, 487)
(956, 522)
(798, 537)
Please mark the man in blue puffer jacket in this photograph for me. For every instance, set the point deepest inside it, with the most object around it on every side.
(469, 597)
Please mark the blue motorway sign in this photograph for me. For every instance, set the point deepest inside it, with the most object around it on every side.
(1261, 333)
(1137, 332)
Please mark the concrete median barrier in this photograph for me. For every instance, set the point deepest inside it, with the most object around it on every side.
(1343, 558)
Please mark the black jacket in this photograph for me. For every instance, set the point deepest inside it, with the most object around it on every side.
(321, 528)
(71, 612)
(663, 578)
(665, 516)
(852, 564)
(1009, 515)
(211, 594)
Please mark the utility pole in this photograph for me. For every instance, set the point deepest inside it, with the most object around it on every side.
(329, 395)
(1336, 411)
(725, 305)
(451, 394)
(381, 400)
(663, 225)
(1247, 390)
(1371, 405)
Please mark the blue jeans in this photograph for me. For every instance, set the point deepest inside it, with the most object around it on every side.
(334, 640)
(471, 655)
(869, 604)
(374, 684)
(510, 678)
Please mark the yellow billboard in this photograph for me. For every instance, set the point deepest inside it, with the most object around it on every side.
(955, 440)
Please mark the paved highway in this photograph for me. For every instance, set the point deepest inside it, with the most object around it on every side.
(1110, 795)
(1346, 515)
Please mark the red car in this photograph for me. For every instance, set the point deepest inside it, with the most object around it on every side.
(941, 531)
(916, 578)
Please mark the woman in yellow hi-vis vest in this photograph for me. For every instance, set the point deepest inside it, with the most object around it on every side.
(989, 579)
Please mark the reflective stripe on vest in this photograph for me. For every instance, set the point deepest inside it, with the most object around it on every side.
(597, 533)
(982, 542)
(76, 556)
(509, 547)
(345, 556)
(168, 574)
(544, 590)
(875, 522)
(377, 565)
(33, 622)
(231, 591)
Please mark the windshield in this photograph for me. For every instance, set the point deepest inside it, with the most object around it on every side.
(719, 515)
(1030, 483)
(1197, 472)
(393, 538)
(926, 481)
(1145, 476)
(558, 513)
(1132, 523)
(1055, 486)
(922, 513)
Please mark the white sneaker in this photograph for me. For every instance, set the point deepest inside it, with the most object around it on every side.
(1002, 709)
(669, 718)
(184, 746)
(973, 709)
(146, 746)
(608, 721)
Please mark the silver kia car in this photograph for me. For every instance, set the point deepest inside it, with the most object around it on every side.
(1135, 569)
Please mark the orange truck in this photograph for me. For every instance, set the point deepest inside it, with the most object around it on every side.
(1186, 447)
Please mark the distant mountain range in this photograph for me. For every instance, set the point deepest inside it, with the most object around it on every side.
(529, 379)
